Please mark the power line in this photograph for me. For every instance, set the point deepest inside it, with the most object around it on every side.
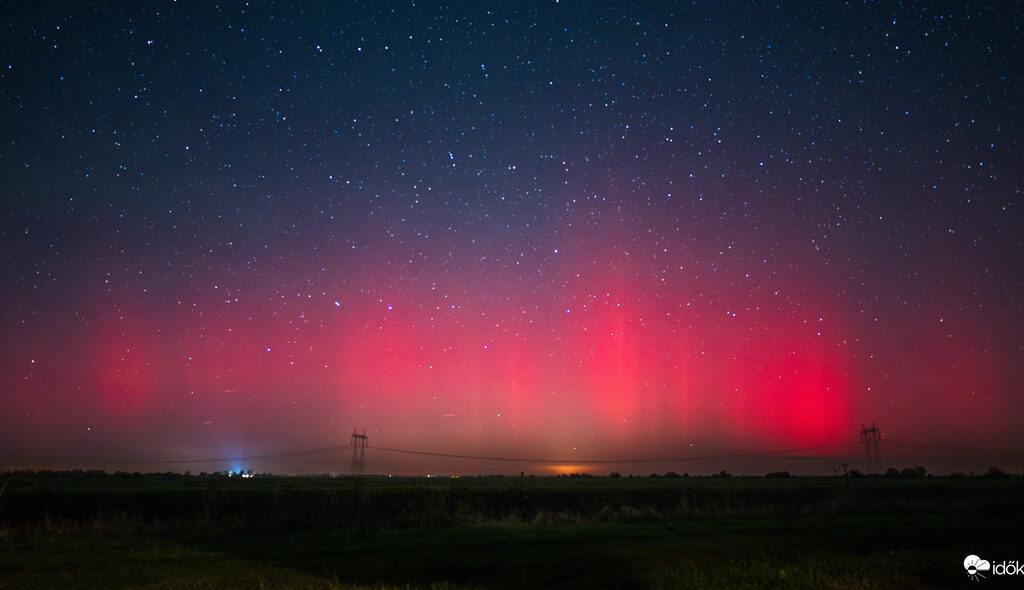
(340, 448)
(298, 453)
(954, 449)
(613, 461)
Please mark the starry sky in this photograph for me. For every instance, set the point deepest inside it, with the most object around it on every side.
(552, 229)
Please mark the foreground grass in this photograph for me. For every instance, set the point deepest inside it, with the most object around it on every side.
(809, 552)
(701, 534)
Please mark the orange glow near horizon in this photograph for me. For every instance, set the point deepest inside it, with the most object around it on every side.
(568, 469)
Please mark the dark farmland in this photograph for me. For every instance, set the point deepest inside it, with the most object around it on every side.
(80, 529)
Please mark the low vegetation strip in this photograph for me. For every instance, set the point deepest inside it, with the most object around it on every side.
(254, 503)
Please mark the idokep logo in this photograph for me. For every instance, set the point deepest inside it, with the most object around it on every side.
(976, 565)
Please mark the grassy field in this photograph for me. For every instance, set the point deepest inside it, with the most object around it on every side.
(92, 531)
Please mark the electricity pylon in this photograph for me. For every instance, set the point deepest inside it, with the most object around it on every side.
(869, 436)
(358, 452)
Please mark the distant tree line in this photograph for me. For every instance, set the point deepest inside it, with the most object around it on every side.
(915, 472)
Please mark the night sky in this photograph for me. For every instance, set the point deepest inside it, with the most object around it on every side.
(557, 229)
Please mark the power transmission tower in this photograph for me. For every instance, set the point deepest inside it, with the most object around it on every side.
(358, 452)
(869, 436)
